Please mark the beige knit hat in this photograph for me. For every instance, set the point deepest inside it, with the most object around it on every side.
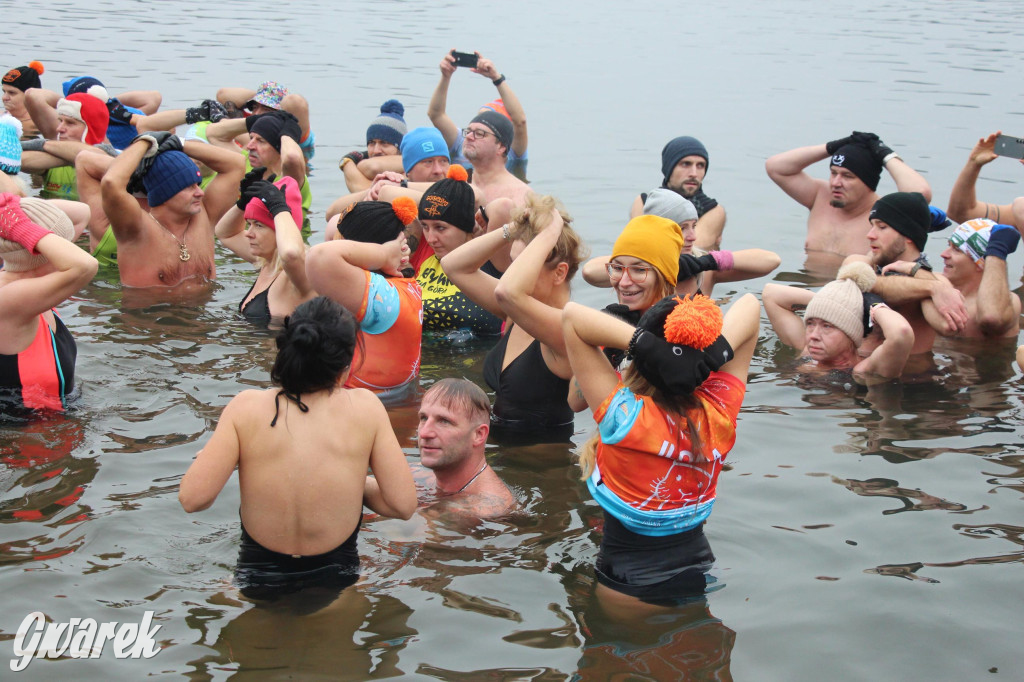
(841, 303)
(44, 214)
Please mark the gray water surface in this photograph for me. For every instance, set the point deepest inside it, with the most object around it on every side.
(859, 535)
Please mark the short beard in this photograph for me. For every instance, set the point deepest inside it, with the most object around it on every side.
(837, 203)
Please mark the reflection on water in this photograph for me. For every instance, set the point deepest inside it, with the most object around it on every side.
(809, 518)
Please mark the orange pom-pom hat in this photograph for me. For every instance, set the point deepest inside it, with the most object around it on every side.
(25, 77)
(695, 322)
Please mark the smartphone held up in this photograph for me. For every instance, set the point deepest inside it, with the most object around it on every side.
(466, 59)
(1011, 147)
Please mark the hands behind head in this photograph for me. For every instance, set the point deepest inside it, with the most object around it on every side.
(397, 256)
(271, 196)
(159, 141)
(255, 175)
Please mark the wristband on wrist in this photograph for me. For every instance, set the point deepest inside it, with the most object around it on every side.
(344, 160)
(890, 156)
(404, 183)
(631, 348)
(499, 80)
(506, 233)
(913, 270)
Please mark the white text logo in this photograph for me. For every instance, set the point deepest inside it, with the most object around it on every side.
(82, 638)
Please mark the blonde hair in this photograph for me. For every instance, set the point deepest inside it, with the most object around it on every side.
(528, 220)
(682, 406)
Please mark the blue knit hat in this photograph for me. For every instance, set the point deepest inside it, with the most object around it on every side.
(79, 84)
(677, 149)
(10, 144)
(170, 173)
(422, 143)
(389, 126)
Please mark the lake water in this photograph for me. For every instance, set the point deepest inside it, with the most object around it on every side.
(858, 535)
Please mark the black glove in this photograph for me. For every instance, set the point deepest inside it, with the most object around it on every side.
(209, 110)
(33, 145)
(615, 355)
(672, 368)
(270, 195)
(290, 126)
(690, 266)
(255, 175)
(155, 139)
(170, 144)
(118, 112)
(879, 150)
(870, 299)
(833, 146)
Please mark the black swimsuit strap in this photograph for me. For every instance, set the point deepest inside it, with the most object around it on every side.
(297, 399)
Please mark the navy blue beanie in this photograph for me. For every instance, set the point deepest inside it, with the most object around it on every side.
(389, 126)
(170, 173)
(677, 149)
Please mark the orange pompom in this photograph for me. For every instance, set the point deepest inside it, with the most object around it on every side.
(695, 322)
(37, 67)
(405, 208)
(457, 172)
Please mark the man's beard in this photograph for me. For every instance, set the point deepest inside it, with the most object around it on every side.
(837, 203)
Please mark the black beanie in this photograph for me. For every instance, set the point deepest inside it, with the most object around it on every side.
(25, 77)
(859, 161)
(678, 148)
(271, 125)
(373, 222)
(500, 125)
(452, 201)
(907, 213)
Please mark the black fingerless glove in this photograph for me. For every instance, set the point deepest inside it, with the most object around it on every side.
(690, 266)
(118, 112)
(209, 110)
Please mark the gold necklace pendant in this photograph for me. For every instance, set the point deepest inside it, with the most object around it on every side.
(183, 254)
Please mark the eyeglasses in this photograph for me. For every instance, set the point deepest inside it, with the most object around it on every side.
(637, 273)
(476, 133)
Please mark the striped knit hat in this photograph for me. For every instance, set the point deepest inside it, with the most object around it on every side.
(389, 126)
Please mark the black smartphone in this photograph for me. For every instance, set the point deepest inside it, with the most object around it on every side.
(467, 59)
(1013, 147)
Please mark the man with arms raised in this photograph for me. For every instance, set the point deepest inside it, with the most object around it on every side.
(454, 420)
(963, 200)
(838, 222)
(173, 240)
(900, 223)
(684, 163)
(273, 145)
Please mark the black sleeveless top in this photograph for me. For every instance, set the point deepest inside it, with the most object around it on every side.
(527, 395)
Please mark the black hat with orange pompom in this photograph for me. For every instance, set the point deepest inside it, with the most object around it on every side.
(25, 77)
(376, 222)
(451, 200)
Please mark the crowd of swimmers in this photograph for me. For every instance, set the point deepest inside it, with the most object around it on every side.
(441, 234)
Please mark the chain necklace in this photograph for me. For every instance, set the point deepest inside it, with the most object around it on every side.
(469, 482)
(183, 254)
